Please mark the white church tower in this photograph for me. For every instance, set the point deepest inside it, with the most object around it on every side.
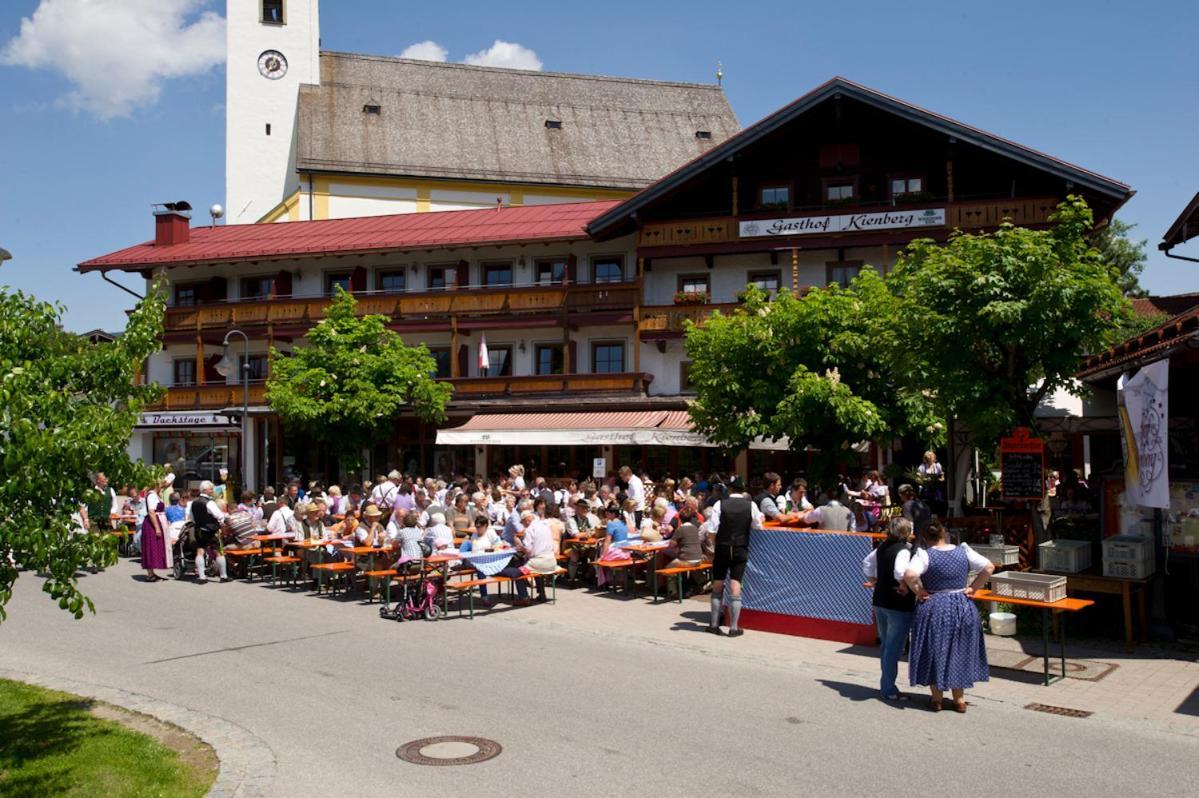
(272, 47)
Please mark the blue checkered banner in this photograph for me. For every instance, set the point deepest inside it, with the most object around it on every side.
(808, 575)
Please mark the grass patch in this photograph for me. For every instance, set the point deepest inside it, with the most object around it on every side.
(59, 744)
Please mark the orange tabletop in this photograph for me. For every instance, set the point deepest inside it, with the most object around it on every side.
(1066, 604)
(269, 537)
(307, 544)
(643, 548)
(438, 559)
(363, 549)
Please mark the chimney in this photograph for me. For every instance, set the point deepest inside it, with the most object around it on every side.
(172, 223)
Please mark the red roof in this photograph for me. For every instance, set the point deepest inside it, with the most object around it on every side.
(444, 229)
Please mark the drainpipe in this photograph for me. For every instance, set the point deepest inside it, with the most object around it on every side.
(107, 279)
(1166, 252)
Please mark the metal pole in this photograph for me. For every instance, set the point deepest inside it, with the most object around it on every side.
(247, 477)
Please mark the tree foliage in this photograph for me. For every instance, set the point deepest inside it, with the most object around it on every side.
(1123, 255)
(352, 379)
(813, 369)
(67, 410)
(993, 323)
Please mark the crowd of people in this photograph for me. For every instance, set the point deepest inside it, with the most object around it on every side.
(919, 578)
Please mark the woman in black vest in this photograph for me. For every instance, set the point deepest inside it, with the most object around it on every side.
(894, 603)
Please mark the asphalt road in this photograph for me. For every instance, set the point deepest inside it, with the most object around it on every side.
(592, 696)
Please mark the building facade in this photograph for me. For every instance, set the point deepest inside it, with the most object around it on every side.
(583, 305)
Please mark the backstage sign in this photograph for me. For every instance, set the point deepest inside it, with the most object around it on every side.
(184, 420)
(844, 223)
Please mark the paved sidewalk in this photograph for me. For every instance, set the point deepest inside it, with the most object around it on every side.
(596, 695)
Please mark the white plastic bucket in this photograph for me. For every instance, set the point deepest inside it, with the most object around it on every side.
(1003, 623)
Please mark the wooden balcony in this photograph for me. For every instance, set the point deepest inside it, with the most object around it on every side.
(217, 397)
(467, 302)
(668, 320)
(968, 216)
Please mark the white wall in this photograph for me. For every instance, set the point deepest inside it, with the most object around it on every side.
(260, 169)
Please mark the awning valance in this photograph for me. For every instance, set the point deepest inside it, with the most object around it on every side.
(623, 428)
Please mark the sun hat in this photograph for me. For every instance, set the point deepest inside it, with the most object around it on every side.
(372, 511)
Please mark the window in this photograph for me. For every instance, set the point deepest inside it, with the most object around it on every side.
(693, 284)
(444, 369)
(766, 281)
(335, 281)
(185, 372)
(906, 185)
(685, 385)
(776, 196)
(257, 287)
(268, 128)
(257, 365)
(501, 361)
(272, 12)
(185, 294)
(553, 124)
(607, 357)
(843, 272)
(703, 135)
(442, 277)
(549, 359)
(840, 190)
(607, 270)
(551, 272)
(393, 280)
(497, 274)
(372, 108)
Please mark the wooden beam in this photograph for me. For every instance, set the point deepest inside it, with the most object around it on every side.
(735, 195)
(199, 360)
(949, 178)
(454, 370)
(885, 258)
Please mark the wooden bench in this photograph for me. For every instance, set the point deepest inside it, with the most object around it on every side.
(336, 570)
(468, 588)
(678, 572)
(616, 565)
(532, 577)
(244, 558)
(292, 567)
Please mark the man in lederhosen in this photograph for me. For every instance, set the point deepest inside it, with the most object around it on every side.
(731, 520)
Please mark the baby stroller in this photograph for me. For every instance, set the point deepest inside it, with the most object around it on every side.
(417, 599)
(184, 553)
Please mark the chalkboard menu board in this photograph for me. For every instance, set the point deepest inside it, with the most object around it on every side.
(1023, 475)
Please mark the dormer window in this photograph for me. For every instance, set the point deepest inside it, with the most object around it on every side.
(553, 124)
(703, 135)
(272, 12)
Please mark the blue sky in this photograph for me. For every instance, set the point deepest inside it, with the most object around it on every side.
(1106, 85)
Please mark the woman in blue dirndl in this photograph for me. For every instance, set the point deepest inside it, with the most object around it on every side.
(947, 648)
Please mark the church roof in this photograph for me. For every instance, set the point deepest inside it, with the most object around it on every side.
(392, 116)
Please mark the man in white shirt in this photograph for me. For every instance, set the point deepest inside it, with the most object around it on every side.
(636, 492)
(384, 494)
(283, 521)
(206, 515)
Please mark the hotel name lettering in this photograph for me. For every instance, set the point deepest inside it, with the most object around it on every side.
(844, 223)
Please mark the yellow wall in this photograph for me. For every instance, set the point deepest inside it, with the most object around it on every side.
(345, 186)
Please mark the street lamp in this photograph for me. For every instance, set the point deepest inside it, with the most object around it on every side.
(225, 368)
(5, 255)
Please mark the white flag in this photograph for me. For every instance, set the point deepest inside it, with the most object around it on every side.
(1146, 407)
(484, 357)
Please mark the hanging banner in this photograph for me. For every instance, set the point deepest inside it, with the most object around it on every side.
(1143, 403)
(843, 223)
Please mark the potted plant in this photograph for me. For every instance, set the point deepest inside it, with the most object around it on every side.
(690, 297)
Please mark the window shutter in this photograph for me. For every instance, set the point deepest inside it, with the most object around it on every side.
(574, 357)
(358, 280)
(463, 361)
(463, 274)
(282, 285)
(572, 269)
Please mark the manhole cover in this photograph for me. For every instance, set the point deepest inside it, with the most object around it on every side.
(449, 750)
(1064, 711)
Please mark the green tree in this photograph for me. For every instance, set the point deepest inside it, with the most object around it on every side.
(1123, 255)
(352, 379)
(814, 369)
(67, 409)
(993, 323)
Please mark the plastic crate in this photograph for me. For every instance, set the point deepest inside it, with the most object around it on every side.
(1128, 569)
(1000, 555)
(1033, 587)
(1064, 556)
(1128, 548)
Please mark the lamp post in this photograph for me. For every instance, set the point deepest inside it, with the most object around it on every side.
(225, 367)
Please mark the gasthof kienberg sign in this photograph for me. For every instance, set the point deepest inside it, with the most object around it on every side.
(843, 223)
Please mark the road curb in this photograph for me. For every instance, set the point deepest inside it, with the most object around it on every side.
(247, 763)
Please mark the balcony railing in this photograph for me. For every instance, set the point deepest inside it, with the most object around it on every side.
(670, 318)
(967, 215)
(216, 397)
(481, 301)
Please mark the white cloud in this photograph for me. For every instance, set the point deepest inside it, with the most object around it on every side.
(118, 53)
(505, 54)
(427, 50)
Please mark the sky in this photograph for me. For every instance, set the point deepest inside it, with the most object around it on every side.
(107, 106)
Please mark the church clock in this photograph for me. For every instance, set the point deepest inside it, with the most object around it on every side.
(272, 65)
